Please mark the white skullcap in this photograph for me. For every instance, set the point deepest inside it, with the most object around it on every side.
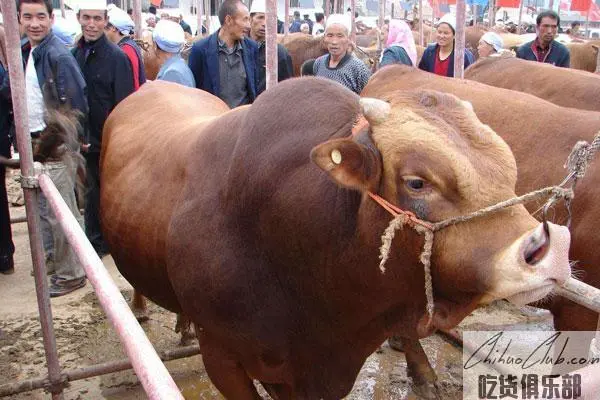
(168, 36)
(448, 19)
(174, 12)
(340, 19)
(494, 40)
(258, 6)
(64, 30)
(120, 20)
(93, 5)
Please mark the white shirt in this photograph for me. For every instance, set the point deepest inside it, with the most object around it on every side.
(316, 28)
(35, 99)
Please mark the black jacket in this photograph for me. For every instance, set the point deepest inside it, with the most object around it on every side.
(284, 67)
(109, 78)
(5, 113)
(55, 65)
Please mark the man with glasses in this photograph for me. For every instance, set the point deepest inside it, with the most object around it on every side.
(109, 77)
(544, 48)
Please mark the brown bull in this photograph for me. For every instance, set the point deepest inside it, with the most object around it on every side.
(584, 56)
(541, 135)
(302, 47)
(258, 224)
(562, 86)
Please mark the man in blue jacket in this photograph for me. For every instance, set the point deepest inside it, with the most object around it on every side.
(224, 63)
(544, 48)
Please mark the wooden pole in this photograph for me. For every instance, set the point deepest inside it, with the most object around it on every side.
(62, 9)
(421, 34)
(137, 18)
(271, 43)
(459, 40)
(286, 22)
(492, 12)
(587, 22)
(353, 21)
(520, 17)
(199, 12)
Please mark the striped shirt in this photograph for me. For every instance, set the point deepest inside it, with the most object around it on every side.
(350, 72)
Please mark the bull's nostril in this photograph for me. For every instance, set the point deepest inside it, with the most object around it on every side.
(537, 247)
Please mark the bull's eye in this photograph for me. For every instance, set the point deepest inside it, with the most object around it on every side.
(415, 183)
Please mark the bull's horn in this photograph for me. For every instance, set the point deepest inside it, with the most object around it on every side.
(375, 111)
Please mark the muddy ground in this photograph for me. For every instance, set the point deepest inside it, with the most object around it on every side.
(84, 337)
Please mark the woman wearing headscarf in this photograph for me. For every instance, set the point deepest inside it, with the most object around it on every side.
(438, 58)
(400, 45)
(490, 44)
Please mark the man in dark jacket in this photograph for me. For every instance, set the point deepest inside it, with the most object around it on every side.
(109, 78)
(544, 48)
(52, 78)
(224, 63)
(296, 23)
(257, 33)
(7, 247)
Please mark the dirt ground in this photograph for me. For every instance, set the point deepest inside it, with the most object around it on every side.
(84, 337)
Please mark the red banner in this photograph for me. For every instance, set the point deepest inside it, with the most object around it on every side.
(581, 5)
(508, 3)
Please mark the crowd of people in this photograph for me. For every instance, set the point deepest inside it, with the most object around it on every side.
(106, 65)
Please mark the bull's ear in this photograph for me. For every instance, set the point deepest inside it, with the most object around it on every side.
(349, 163)
(595, 48)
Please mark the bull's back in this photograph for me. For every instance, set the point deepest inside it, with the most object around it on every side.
(562, 86)
(146, 145)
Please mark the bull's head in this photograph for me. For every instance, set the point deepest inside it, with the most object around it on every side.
(427, 153)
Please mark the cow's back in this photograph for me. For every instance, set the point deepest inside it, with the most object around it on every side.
(146, 146)
(541, 136)
(562, 86)
(583, 56)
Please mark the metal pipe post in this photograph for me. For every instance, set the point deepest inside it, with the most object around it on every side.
(520, 17)
(62, 9)
(286, 22)
(335, 7)
(208, 12)
(15, 66)
(459, 40)
(137, 18)
(199, 12)
(421, 32)
(381, 13)
(327, 9)
(151, 372)
(587, 22)
(353, 21)
(271, 44)
(475, 14)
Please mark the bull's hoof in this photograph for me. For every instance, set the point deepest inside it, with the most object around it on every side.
(395, 342)
(427, 391)
(141, 315)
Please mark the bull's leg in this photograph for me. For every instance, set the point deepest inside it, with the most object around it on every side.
(418, 368)
(184, 325)
(225, 371)
(139, 306)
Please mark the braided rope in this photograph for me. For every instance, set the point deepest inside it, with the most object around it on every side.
(581, 155)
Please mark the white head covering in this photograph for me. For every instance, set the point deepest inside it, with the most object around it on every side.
(92, 5)
(448, 19)
(174, 12)
(1, 19)
(258, 6)
(64, 30)
(494, 40)
(120, 20)
(168, 36)
(339, 19)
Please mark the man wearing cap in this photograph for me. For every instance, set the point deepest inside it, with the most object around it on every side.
(339, 64)
(224, 63)
(168, 39)
(438, 58)
(490, 44)
(257, 33)
(544, 48)
(109, 79)
(117, 31)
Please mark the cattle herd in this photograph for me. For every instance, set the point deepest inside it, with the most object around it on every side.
(257, 224)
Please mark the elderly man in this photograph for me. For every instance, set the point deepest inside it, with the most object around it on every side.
(168, 39)
(339, 64)
(257, 33)
(118, 28)
(544, 48)
(224, 63)
(109, 78)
